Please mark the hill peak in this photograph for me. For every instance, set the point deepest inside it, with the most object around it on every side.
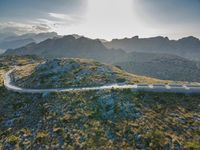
(189, 39)
(74, 72)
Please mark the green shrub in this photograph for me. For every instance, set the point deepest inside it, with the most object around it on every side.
(41, 136)
(12, 139)
(192, 145)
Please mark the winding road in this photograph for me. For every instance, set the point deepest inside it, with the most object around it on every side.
(187, 89)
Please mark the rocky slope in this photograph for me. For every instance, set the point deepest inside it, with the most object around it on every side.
(158, 65)
(63, 73)
(69, 46)
(113, 119)
(161, 66)
(188, 47)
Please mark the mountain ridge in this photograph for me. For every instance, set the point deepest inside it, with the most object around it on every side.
(158, 65)
(15, 41)
(188, 47)
(69, 46)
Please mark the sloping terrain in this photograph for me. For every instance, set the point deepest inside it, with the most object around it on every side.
(157, 65)
(188, 47)
(112, 119)
(161, 66)
(63, 73)
(69, 46)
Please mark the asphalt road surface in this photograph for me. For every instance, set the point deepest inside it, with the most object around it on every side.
(175, 88)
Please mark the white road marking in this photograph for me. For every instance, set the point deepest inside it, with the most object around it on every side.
(143, 87)
(168, 87)
(151, 86)
(187, 88)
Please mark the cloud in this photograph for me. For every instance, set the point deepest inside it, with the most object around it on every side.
(21, 28)
(67, 19)
(50, 23)
(31, 9)
(59, 16)
(42, 27)
(168, 11)
(24, 16)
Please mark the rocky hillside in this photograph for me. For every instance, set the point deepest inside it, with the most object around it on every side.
(158, 65)
(161, 66)
(63, 73)
(188, 47)
(113, 119)
(69, 46)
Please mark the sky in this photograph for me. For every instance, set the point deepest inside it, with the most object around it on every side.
(106, 19)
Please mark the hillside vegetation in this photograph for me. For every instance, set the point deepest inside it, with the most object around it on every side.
(110, 119)
(63, 73)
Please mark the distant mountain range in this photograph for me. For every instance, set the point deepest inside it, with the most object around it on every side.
(159, 65)
(9, 40)
(69, 46)
(4, 35)
(188, 47)
(1, 51)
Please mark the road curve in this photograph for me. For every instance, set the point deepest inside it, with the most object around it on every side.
(187, 89)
